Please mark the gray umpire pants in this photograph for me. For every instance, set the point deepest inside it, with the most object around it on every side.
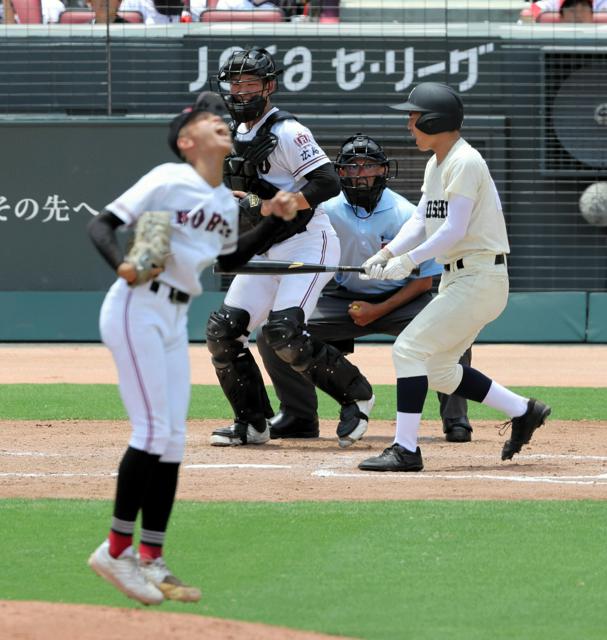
(331, 323)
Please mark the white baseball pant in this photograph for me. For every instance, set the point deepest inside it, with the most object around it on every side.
(434, 341)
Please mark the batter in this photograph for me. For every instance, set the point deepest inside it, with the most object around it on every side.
(459, 222)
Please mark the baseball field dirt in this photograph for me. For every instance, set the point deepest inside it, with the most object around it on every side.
(72, 459)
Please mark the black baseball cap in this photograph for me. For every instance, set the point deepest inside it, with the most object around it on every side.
(207, 102)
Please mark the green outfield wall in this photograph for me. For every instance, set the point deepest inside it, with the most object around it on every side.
(69, 316)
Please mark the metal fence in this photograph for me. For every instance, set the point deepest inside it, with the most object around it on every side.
(535, 96)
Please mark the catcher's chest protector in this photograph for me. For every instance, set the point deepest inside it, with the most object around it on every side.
(241, 166)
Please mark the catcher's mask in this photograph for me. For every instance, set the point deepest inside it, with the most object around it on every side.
(207, 102)
(247, 107)
(358, 155)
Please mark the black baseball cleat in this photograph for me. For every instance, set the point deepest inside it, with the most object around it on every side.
(240, 433)
(524, 426)
(457, 429)
(394, 458)
(283, 425)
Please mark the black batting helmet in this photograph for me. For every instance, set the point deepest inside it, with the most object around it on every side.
(359, 191)
(251, 62)
(441, 107)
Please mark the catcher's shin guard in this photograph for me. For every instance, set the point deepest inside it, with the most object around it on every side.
(320, 363)
(236, 369)
(243, 386)
(330, 371)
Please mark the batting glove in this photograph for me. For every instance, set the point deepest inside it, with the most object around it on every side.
(397, 268)
(379, 259)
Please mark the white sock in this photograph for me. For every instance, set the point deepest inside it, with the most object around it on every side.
(407, 426)
(510, 403)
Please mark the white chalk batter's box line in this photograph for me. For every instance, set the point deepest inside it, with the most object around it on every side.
(424, 475)
(55, 474)
(600, 479)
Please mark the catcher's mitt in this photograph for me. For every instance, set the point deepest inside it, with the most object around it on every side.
(151, 244)
(249, 214)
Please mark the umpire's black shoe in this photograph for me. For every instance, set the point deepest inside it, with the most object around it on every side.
(457, 429)
(524, 426)
(284, 425)
(394, 458)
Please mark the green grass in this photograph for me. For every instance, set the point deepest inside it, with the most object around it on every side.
(102, 402)
(381, 570)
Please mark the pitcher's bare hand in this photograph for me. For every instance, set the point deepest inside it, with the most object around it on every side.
(282, 205)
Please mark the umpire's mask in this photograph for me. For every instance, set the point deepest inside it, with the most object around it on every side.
(364, 170)
(240, 67)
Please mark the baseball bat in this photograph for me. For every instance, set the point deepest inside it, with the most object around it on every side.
(280, 267)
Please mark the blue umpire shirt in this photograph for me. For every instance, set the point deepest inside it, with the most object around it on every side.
(362, 238)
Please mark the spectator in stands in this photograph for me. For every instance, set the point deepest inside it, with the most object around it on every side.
(570, 10)
(153, 11)
(165, 11)
(326, 10)
(105, 10)
(246, 5)
(51, 10)
(290, 8)
(576, 11)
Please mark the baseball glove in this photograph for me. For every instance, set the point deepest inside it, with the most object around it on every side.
(151, 245)
(249, 214)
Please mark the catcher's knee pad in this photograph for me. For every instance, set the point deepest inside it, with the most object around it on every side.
(225, 329)
(285, 334)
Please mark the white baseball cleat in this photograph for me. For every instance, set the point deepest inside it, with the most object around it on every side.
(354, 421)
(157, 572)
(124, 573)
(238, 434)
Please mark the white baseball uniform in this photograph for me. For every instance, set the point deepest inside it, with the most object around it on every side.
(146, 331)
(296, 154)
(469, 296)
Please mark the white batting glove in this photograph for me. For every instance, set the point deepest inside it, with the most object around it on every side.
(397, 268)
(379, 259)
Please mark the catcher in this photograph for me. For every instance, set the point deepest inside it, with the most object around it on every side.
(185, 218)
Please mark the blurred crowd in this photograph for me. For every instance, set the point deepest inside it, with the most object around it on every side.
(168, 11)
(162, 11)
(566, 11)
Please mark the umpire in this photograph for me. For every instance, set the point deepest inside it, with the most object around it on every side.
(366, 215)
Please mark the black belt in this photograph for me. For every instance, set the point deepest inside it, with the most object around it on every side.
(499, 259)
(174, 294)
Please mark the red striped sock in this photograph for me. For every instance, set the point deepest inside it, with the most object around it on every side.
(148, 552)
(118, 543)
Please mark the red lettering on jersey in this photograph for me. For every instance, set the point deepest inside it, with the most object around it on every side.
(225, 229)
(197, 219)
(213, 222)
(302, 139)
(182, 217)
